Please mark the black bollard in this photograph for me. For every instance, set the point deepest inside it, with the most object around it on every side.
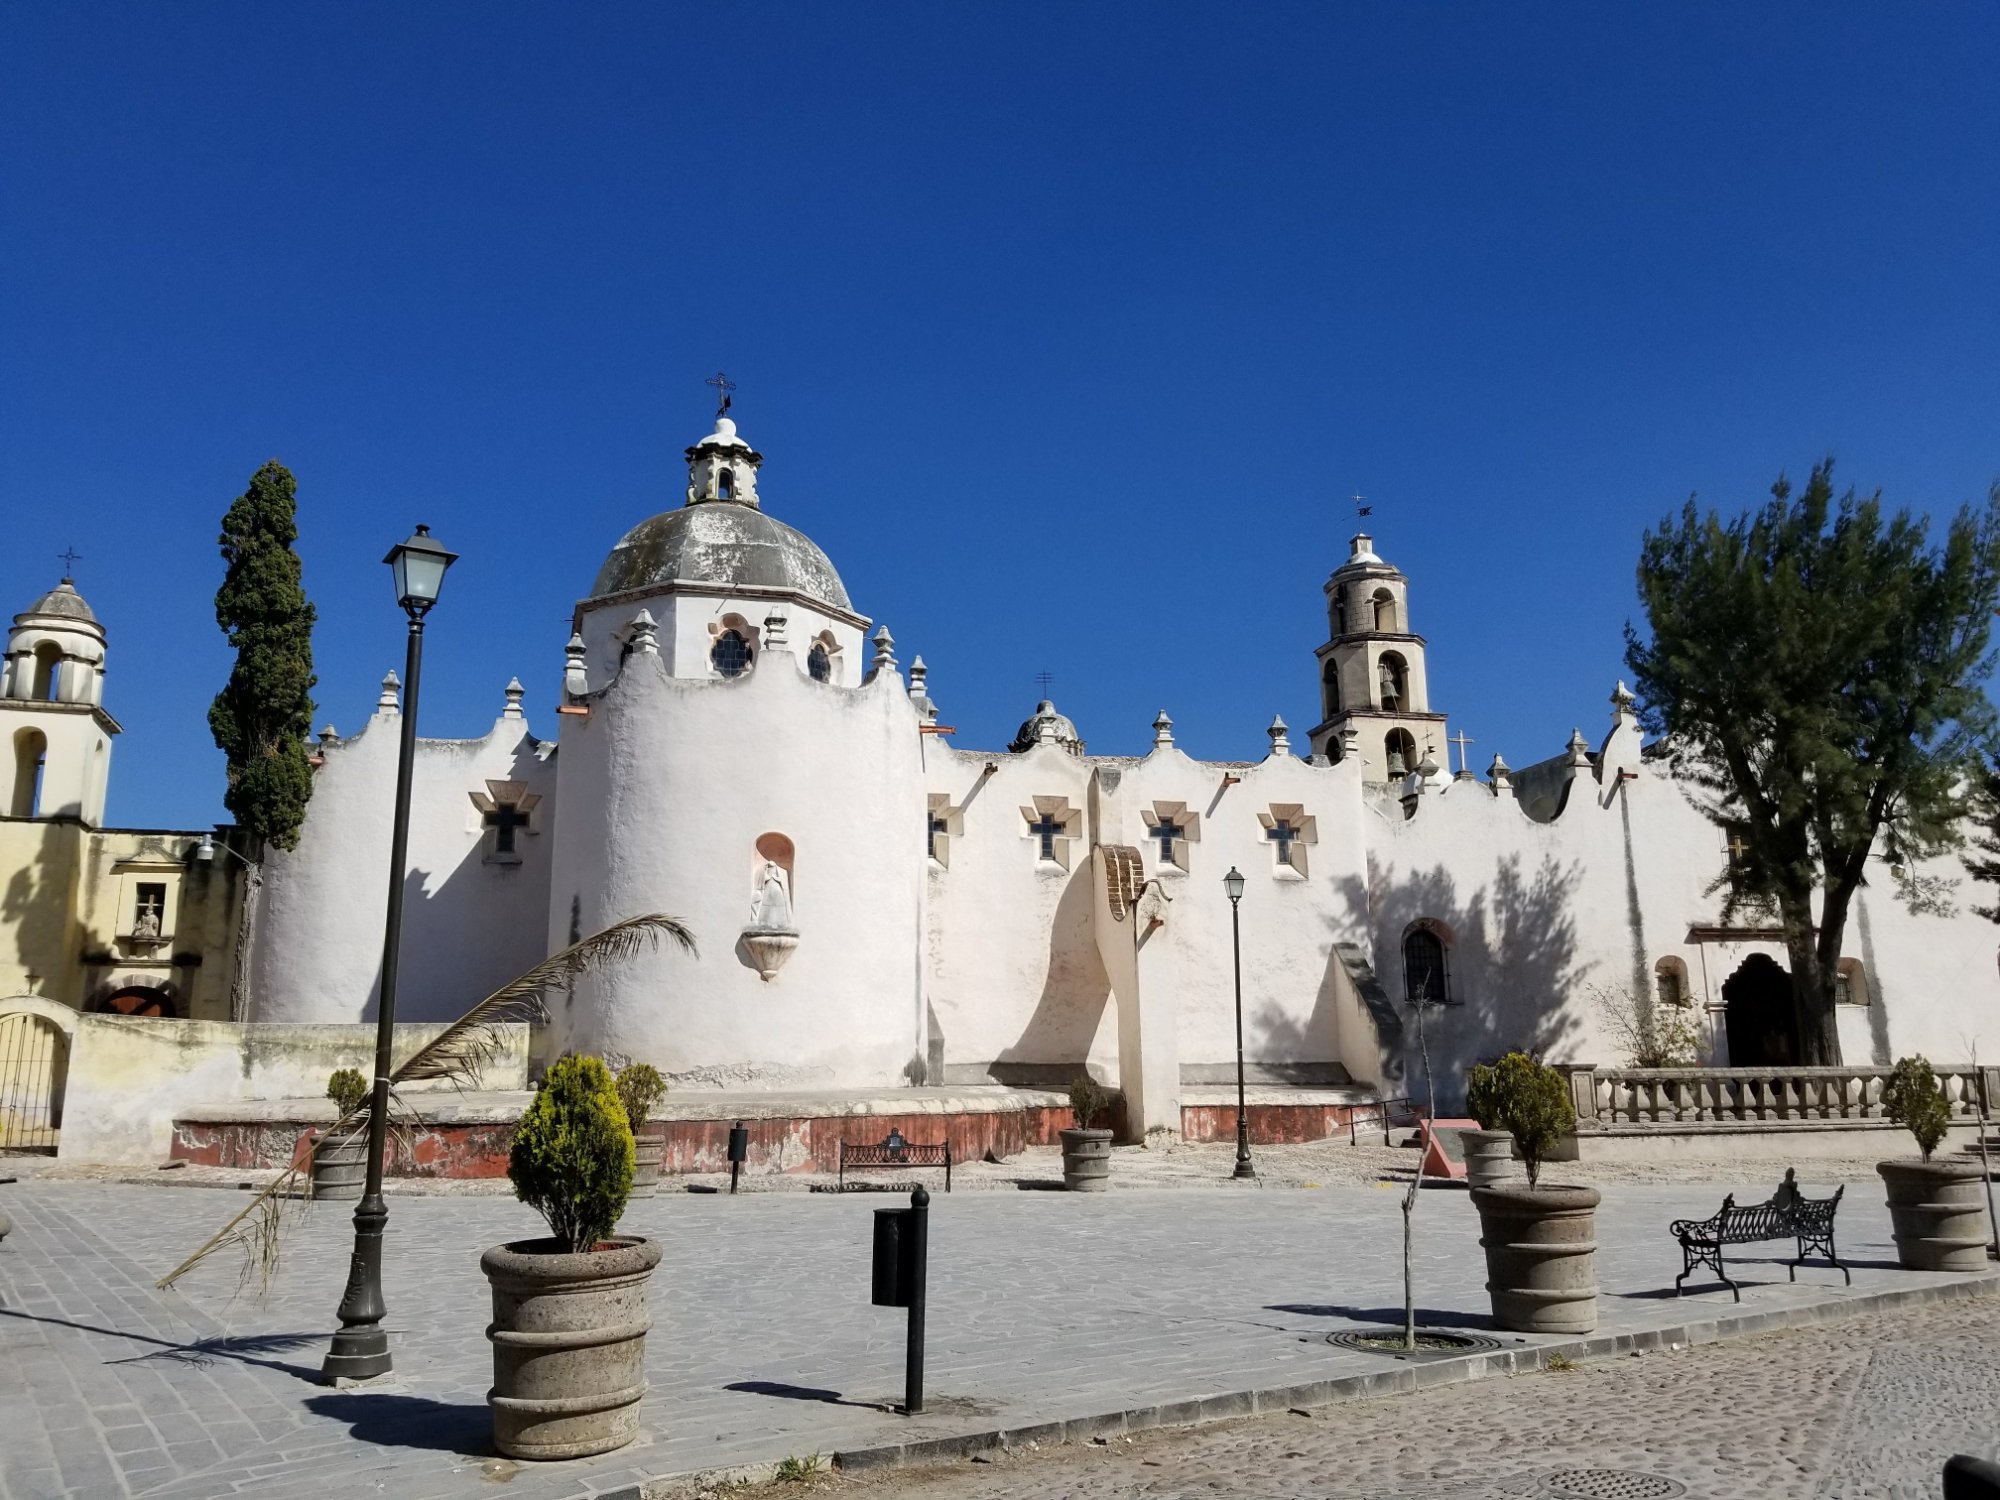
(1967, 1478)
(902, 1237)
(739, 1148)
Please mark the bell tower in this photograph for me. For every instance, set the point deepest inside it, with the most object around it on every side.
(54, 733)
(1371, 670)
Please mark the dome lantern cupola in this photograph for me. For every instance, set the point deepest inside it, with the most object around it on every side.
(722, 467)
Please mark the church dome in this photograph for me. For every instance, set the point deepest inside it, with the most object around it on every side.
(720, 543)
(1046, 724)
(64, 601)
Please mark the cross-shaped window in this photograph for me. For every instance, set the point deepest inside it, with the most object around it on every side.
(939, 824)
(1282, 833)
(1047, 829)
(503, 820)
(1166, 833)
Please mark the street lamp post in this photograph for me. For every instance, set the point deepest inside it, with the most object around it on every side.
(1233, 884)
(360, 1349)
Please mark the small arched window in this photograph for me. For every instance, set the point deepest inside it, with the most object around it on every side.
(819, 665)
(1393, 680)
(1670, 982)
(48, 672)
(1330, 688)
(725, 484)
(1385, 610)
(1339, 621)
(1850, 983)
(1399, 752)
(30, 751)
(730, 654)
(1426, 964)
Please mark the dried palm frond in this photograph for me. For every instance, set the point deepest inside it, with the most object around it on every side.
(457, 1054)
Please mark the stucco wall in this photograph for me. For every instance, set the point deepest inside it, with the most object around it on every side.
(667, 785)
(129, 1079)
(469, 925)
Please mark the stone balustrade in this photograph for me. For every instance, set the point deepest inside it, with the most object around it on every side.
(1666, 1098)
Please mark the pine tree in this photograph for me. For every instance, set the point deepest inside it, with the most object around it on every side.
(262, 717)
(1815, 669)
(1986, 864)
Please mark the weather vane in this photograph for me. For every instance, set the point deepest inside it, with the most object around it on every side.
(723, 386)
(70, 557)
(1361, 510)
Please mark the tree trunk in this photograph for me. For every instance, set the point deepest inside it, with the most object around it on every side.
(1812, 989)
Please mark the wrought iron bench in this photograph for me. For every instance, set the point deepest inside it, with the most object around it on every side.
(1786, 1215)
(893, 1151)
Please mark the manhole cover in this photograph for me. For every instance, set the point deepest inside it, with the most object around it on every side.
(1612, 1484)
(1430, 1341)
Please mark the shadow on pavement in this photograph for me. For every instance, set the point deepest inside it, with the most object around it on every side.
(243, 1349)
(396, 1421)
(1427, 1317)
(799, 1393)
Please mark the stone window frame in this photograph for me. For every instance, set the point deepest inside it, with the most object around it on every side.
(1061, 811)
(1672, 967)
(938, 809)
(1850, 983)
(1305, 833)
(753, 645)
(1186, 828)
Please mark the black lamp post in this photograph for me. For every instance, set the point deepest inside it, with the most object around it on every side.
(1233, 883)
(360, 1349)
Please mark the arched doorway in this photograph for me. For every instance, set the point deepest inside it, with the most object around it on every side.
(139, 1000)
(34, 1070)
(1762, 1021)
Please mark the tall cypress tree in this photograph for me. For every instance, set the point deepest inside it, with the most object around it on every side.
(1816, 667)
(262, 718)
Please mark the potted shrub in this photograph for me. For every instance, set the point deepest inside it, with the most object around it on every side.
(640, 1089)
(1540, 1240)
(1489, 1151)
(1935, 1206)
(569, 1311)
(340, 1156)
(1086, 1149)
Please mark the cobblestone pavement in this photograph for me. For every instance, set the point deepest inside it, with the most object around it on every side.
(1046, 1307)
(1866, 1407)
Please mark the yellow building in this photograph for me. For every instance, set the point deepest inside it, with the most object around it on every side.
(138, 921)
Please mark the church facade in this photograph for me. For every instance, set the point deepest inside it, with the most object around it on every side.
(897, 911)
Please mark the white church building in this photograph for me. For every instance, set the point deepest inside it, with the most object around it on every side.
(895, 911)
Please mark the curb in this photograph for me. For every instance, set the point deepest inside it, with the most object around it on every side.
(1267, 1401)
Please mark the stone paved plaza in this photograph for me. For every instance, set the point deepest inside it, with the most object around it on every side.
(1046, 1308)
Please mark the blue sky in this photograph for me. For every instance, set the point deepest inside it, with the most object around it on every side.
(1065, 329)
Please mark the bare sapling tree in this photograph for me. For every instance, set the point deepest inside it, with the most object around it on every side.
(1420, 1002)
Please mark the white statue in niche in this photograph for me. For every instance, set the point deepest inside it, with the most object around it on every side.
(774, 902)
(770, 938)
(146, 927)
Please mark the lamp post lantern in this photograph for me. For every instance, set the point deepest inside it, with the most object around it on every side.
(360, 1350)
(1233, 883)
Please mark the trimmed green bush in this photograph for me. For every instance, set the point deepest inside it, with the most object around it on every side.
(1526, 1098)
(347, 1089)
(1087, 1100)
(640, 1087)
(572, 1155)
(1914, 1099)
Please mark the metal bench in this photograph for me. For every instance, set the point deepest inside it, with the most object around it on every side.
(1786, 1215)
(893, 1151)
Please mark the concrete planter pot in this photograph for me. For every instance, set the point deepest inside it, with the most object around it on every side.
(1939, 1214)
(569, 1346)
(1086, 1160)
(340, 1167)
(1489, 1157)
(1541, 1256)
(647, 1149)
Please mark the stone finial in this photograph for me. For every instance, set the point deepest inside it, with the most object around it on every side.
(1501, 775)
(1578, 748)
(1622, 699)
(1163, 731)
(515, 693)
(1281, 743)
(576, 678)
(1350, 742)
(645, 634)
(774, 631)
(885, 651)
(328, 738)
(391, 700)
(919, 677)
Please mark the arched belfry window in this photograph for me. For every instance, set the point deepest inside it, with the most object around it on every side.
(48, 672)
(31, 748)
(725, 484)
(1330, 688)
(1399, 752)
(730, 654)
(1385, 611)
(1426, 964)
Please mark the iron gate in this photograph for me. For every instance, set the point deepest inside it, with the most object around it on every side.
(34, 1066)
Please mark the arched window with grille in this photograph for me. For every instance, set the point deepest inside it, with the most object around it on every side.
(819, 665)
(1330, 688)
(1426, 964)
(730, 654)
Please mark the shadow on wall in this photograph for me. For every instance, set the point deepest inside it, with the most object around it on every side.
(36, 911)
(475, 928)
(1075, 988)
(1511, 956)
